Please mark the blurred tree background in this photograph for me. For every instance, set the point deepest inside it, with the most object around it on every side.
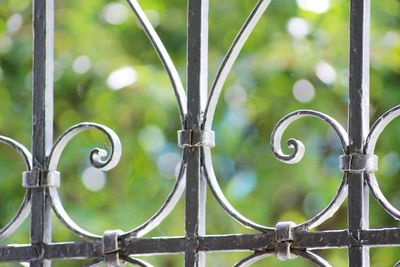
(107, 72)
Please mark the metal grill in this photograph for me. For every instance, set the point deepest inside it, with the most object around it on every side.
(197, 106)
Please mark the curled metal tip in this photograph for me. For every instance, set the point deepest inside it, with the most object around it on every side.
(99, 158)
(296, 145)
(298, 151)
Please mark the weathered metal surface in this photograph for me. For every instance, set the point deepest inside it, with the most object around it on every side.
(42, 120)
(197, 79)
(196, 138)
(358, 125)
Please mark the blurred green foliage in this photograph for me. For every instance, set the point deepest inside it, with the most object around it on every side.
(107, 72)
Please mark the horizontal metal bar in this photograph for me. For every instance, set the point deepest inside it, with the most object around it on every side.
(17, 253)
(321, 240)
(80, 250)
(342, 238)
(253, 242)
(210, 243)
(380, 237)
(173, 245)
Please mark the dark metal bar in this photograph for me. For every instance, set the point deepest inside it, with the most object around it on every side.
(254, 242)
(17, 253)
(197, 68)
(321, 240)
(78, 250)
(212, 243)
(358, 124)
(381, 237)
(42, 119)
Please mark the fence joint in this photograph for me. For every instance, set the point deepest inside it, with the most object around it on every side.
(284, 239)
(196, 138)
(358, 163)
(39, 178)
(111, 248)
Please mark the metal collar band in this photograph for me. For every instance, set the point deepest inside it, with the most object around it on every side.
(359, 163)
(196, 138)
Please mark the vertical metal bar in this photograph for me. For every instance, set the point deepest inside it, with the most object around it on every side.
(358, 123)
(42, 118)
(197, 70)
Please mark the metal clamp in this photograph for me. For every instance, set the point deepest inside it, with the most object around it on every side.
(359, 163)
(284, 240)
(196, 138)
(111, 248)
(38, 178)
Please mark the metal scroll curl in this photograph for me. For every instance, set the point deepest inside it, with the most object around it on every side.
(25, 207)
(295, 157)
(298, 153)
(296, 145)
(100, 159)
(372, 139)
(312, 257)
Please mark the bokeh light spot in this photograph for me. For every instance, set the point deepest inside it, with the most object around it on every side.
(325, 72)
(303, 91)
(121, 78)
(14, 22)
(94, 179)
(115, 13)
(298, 28)
(315, 6)
(82, 64)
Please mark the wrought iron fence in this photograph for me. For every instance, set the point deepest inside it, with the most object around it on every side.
(197, 106)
